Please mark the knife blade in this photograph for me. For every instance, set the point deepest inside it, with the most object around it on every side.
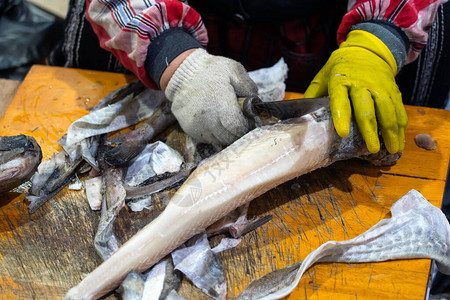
(286, 109)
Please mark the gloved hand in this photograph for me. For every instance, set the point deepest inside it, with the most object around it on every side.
(363, 68)
(204, 91)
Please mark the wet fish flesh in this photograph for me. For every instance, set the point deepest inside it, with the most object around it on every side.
(20, 156)
(254, 164)
(417, 229)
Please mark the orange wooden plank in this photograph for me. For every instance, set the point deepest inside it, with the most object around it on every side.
(51, 98)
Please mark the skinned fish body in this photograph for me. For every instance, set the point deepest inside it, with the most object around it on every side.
(259, 161)
(19, 158)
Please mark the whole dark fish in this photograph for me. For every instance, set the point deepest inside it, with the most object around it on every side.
(259, 161)
(20, 156)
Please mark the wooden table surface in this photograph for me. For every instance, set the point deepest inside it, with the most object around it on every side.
(42, 255)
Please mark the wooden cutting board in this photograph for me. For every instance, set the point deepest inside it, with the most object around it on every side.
(44, 254)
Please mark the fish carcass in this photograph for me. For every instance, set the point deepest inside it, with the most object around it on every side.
(19, 158)
(259, 161)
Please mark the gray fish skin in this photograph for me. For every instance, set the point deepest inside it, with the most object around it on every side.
(51, 177)
(259, 161)
(113, 201)
(157, 186)
(172, 280)
(119, 109)
(132, 287)
(19, 158)
(134, 87)
(173, 296)
(417, 229)
(132, 107)
(202, 266)
(156, 159)
(270, 283)
(55, 173)
(161, 280)
(125, 147)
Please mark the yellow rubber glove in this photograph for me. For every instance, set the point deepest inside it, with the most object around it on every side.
(364, 69)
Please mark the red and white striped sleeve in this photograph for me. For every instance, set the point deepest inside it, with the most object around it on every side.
(413, 17)
(127, 28)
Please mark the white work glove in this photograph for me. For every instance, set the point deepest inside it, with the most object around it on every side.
(204, 91)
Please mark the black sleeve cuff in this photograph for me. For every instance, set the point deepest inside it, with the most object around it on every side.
(165, 48)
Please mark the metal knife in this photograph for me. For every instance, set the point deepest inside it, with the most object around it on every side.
(286, 109)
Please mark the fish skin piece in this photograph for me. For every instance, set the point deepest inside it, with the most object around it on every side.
(161, 280)
(173, 296)
(132, 287)
(20, 156)
(125, 147)
(135, 106)
(157, 186)
(226, 244)
(140, 204)
(133, 87)
(270, 81)
(417, 229)
(54, 174)
(202, 266)
(52, 178)
(259, 161)
(44, 171)
(155, 159)
(154, 282)
(86, 148)
(113, 201)
(271, 282)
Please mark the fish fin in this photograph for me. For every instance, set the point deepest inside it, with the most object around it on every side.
(240, 230)
(122, 154)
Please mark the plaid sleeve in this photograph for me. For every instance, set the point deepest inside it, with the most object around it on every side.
(413, 17)
(127, 27)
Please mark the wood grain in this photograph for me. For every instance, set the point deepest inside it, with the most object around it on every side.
(8, 89)
(44, 254)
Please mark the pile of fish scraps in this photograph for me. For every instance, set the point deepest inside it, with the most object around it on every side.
(126, 169)
(120, 167)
